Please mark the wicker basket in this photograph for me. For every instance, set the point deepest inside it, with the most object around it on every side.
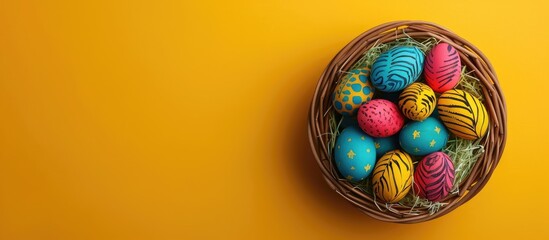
(471, 57)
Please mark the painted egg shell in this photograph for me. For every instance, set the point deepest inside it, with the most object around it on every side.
(383, 145)
(442, 67)
(392, 178)
(354, 154)
(397, 68)
(424, 137)
(417, 101)
(434, 176)
(380, 118)
(353, 90)
(463, 114)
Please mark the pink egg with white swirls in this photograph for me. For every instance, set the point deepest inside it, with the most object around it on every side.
(380, 118)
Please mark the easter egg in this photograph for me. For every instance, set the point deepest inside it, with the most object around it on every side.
(392, 177)
(353, 90)
(417, 101)
(397, 68)
(380, 118)
(434, 176)
(463, 114)
(423, 137)
(354, 154)
(442, 67)
(383, 145)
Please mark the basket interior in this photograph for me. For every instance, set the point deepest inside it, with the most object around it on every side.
(321, 120)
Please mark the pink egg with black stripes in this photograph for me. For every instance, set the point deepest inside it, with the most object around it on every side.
(380, 118)
(442, 69)
(434, 176)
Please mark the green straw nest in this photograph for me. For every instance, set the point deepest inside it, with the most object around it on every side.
(474, 161)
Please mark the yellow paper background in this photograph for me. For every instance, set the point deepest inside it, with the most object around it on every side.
(187, 119)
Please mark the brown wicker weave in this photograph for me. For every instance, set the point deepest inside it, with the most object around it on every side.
(471, 57)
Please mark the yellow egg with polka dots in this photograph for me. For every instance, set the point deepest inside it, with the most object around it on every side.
(353, 90)
(354, 154)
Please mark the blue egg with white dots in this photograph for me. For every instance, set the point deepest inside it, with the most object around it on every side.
(352, 91)
(420, 138)
(386, 144)
(354, 154)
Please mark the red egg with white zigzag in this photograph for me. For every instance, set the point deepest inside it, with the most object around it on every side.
(434, 176)
(442, 69)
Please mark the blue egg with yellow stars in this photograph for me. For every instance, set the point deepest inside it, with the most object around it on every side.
(423, 137)
(354, 154)
(383, 145)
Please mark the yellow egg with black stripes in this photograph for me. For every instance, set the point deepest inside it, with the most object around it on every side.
(354, 154)
(463, 114)
(353, 90)
(392, 177)
(417, 101)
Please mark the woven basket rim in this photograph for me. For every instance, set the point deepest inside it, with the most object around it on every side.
(471, 56)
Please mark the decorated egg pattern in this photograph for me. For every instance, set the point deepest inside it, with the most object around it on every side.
(434, 176)
(463, 114)
(442, 67)
(392, 178)
(380, 118)
(353, 90)
(354, 154)
(417, 101)
(397, 68)
(424, 137)
(383, 145)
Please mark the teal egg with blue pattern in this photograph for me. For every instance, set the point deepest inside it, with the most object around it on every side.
(386, 144)
(352, 91)
(397, 68)
(420, 138)
(354, 154)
